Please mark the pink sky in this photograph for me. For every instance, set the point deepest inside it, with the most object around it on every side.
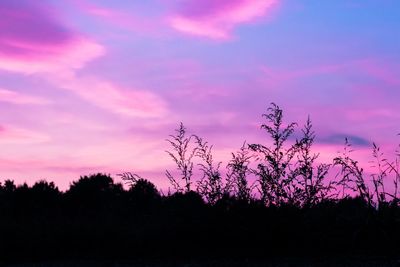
(96, 86)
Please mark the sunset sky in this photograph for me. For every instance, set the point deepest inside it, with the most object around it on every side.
(96, 86)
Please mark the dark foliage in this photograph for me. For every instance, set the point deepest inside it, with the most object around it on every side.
(98, 219)
(182, 154)
(309, 185)
(299, 210)
(237, 176)
(274, 178)
(211, 184)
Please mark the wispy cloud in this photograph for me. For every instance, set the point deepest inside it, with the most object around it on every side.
(32, 40)
(125, 19)
(65, 58)
(16, 135)
(107, 95)
(339, 139)
(217, 19)
(20, 98)
(42, 45)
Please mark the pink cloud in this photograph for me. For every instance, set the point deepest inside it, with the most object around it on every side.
(217, 19)
(10, 134)
(15, 164)
(105, 94)
(27, 24)
(21, 99)
(63, 58)
(368, 114)
(32, 40)
(135, 22)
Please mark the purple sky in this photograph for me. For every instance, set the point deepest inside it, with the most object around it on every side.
(96, 86)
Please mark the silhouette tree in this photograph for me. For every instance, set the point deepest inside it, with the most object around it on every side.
(274, 161)
(7, 197)
(182, 154)
(9, 186)
(94, 191)
(92, 184)
(44, 194)
(144, 189)
(44, 187)
(141, 190)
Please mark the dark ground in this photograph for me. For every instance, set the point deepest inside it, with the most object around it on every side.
(220, 263)
(97, 221)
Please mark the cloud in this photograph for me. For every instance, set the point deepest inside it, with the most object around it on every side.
(21, 99)
(109, 96)
(10, 134)
(339, 139)
(62, 58)
(32, 40)
(50, 165)
(371, 114)
(217, 19)
(136, 22)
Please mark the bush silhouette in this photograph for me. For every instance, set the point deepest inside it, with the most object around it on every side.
(144, 189)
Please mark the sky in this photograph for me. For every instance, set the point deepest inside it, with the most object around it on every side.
(97, 86)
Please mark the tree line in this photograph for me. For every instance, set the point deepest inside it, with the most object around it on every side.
(273, 199)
